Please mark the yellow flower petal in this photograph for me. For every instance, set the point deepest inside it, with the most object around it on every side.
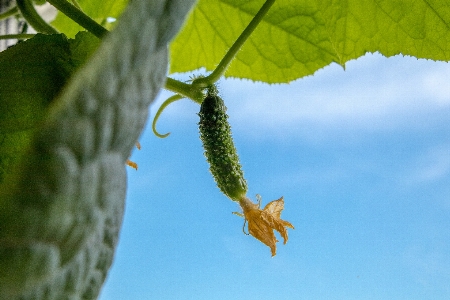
(261, 223)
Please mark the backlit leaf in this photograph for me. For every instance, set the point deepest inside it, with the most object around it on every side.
(298, 37)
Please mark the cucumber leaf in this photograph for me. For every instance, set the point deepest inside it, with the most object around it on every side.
(32, 74)
(298, 37)
(62, 201)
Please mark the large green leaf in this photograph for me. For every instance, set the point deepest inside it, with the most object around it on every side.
(61, 205)
(32, 74)
(298, 37)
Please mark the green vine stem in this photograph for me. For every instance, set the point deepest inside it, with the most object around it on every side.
(10, 12)
(79, 17)
(185, 89)
(22, 36)
(160, 110)
(194, 90)
(228, 58)
(30, 14)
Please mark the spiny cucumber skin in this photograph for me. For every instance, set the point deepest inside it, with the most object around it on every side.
(220, 152)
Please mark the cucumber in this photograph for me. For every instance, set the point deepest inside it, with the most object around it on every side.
(220, 152)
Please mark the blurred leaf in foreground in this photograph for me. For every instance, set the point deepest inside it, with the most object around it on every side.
(61, 205)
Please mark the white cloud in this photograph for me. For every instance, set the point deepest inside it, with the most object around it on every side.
(435, 84)
(374, 93)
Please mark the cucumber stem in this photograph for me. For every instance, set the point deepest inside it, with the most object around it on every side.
(228, 58)
(187, 90)
(193, 91)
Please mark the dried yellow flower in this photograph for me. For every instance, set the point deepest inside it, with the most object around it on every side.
(261, 223)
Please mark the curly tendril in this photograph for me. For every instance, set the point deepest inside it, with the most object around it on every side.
(160, 110)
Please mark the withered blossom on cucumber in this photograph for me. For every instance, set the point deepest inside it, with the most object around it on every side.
(221, 154)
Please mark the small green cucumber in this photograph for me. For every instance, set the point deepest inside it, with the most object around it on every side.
(220, 152)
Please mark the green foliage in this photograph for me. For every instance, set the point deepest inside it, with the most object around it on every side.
(66, 128)
(220, 152)
(97, 10)
(32, 74)
(298, 37)
(82, 46)
(61, 205)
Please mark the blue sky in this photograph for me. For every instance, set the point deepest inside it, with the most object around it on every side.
(362, 158)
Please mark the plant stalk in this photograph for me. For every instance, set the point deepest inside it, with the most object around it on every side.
(30, 14)
(79, 17)
(21, 36)
(194, 90)
(184, 89)
(228, 58)
(10, 12)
